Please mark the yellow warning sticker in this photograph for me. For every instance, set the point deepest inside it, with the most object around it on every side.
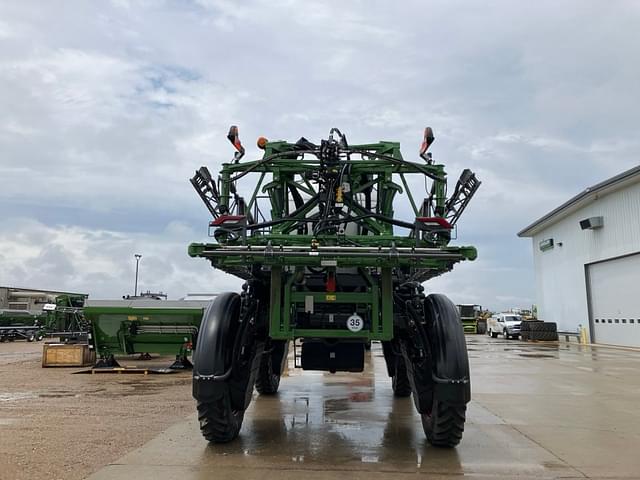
(331, 298)
(131, 317)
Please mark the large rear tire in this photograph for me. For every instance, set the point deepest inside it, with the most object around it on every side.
(268, 379)
(222, 384)
(443, 424)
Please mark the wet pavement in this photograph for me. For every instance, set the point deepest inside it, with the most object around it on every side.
(538, 411)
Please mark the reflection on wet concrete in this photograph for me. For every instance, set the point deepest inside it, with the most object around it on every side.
(538, 411)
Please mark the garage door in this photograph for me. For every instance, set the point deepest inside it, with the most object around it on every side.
(614, 290)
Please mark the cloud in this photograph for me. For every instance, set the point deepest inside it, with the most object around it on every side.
(101, 262)
(108, 111)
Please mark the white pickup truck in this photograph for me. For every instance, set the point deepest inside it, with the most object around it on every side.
(507, 324)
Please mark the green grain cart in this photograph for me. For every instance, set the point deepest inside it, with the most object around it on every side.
(333, 247)
(126, 327)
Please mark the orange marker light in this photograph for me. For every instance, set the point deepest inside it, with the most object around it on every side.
(262, 142)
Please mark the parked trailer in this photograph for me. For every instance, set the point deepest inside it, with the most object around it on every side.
(20, 325)
(125, 327)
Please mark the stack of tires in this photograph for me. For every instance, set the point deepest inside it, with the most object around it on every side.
(482, 326)
(537, 330)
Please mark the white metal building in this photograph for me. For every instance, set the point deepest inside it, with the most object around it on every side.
(586, 256)
(15, 298)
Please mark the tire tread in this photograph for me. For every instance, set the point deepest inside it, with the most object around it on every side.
(218, 422)
(400, 381)
(445, 426)
(267, 381)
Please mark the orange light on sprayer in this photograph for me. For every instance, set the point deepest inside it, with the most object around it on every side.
(262, 143)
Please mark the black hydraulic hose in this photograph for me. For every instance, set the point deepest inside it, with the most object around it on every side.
(272, 157)
(384, 218)
(399, 162)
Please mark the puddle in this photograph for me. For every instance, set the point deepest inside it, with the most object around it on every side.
(536, 355)
(59, 395)
(137, 388)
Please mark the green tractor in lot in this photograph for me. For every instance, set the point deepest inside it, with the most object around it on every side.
(328, 262)
(473, 318)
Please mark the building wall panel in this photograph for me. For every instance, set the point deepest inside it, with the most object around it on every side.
(560, 272)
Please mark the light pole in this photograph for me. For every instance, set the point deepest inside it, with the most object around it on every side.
(135, 290)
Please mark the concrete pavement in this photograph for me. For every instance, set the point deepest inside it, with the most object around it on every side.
(538, 411)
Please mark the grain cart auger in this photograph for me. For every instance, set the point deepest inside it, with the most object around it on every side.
(327, 260)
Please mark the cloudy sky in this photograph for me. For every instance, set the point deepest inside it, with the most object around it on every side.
(106, 109)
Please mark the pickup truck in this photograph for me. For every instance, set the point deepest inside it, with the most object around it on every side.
(507, 324)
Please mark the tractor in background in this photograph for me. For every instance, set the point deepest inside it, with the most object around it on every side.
(473, 318)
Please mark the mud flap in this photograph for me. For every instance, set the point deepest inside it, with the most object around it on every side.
(449, 351)
(444, 374)
(214, 377)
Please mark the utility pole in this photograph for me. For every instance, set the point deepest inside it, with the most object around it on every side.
(135, 290)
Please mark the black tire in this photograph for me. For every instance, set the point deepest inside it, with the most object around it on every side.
(482, 328)
(543, 327)
(445, 425)
(400, 381)
(493, 334)
(31, 338)
(534, 326)
(220, 403)
(268, 379)
(537, 327)
(219, 423)
(506, 334)
(544, 336)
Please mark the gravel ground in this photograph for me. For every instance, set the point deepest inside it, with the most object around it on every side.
(57, 425)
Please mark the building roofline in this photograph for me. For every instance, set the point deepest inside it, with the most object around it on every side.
(588, 194)
(20, 289)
